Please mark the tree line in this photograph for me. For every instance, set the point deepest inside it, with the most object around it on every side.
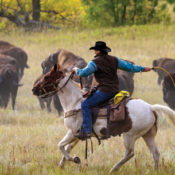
(56, 13)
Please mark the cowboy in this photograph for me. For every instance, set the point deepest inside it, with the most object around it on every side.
(104, 68)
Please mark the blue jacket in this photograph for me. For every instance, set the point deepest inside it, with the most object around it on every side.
(124, 65)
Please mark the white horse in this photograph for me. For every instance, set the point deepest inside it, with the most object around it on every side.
(143, 117)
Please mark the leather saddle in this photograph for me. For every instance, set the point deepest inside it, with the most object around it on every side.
(118, 120)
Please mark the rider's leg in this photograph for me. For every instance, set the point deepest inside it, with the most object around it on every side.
(95, 99)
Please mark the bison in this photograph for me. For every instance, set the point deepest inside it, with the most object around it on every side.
(16, 52)
(4, 45)
(67, 60)
(8, 80)
(166, 63)
(169, 91)
(126, 81)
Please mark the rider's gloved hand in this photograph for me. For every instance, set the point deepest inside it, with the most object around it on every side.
(94, 89)
(147, 69)
(74, 69)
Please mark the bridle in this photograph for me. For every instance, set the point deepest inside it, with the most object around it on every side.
(55, 86)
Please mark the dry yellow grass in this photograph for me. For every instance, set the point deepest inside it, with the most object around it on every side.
(29, 136)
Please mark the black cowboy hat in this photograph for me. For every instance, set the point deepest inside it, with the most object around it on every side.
(100, 45)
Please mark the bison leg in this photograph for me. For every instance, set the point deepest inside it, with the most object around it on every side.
(57, 104)
(41, 102)
(5, 100)
(21, 72)
(159, 80)
(48, 102)
(13, 96)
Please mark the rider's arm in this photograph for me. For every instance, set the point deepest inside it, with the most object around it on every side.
(88, 70)
(124, 65)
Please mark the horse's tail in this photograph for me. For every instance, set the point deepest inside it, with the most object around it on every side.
(164, 109)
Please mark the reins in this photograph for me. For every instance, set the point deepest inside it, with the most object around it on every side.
(57, 89)
(70, 77)
(164, 70)
(81, 83)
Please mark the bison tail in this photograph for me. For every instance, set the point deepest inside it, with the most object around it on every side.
(164, 109)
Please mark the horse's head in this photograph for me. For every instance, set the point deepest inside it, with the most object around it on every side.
(47, 85)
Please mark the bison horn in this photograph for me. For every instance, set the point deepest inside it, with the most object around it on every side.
(17, 84)
(50, 58)
(27, 66)
(20, 84)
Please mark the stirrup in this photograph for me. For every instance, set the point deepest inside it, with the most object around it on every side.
(83, 136)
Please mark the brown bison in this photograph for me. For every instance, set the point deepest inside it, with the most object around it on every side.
(4, 45)
(126, 81)
(8, 80)
(67, 60)
(46, 102)
(166, 63)
(169, 91)
(5, 59)
(17, 53)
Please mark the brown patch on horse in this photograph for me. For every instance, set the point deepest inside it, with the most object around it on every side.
(119, 127)
(122, 122)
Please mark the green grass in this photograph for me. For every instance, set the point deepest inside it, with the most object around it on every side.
(29, 136)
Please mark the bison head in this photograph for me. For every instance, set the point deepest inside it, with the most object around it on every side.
(49, 62)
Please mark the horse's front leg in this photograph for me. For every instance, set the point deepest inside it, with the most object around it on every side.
(67, 140)
(68, 148)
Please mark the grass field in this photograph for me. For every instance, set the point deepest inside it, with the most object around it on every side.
(29, 136)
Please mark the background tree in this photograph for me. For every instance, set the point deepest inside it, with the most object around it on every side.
(120, 12)
(41, 13)
(52, 13)
(36, 8)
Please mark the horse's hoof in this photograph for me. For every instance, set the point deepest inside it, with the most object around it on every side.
(61, 166)
(77, 160)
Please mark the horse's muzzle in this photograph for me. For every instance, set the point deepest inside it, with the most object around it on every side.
(36, 91)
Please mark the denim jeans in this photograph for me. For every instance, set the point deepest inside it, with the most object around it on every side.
(95, 99)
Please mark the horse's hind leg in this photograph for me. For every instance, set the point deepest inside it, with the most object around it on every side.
(129, 142)
(150, 142)
(68, 150)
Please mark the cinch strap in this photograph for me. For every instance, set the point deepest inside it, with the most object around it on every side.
(71, 113)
